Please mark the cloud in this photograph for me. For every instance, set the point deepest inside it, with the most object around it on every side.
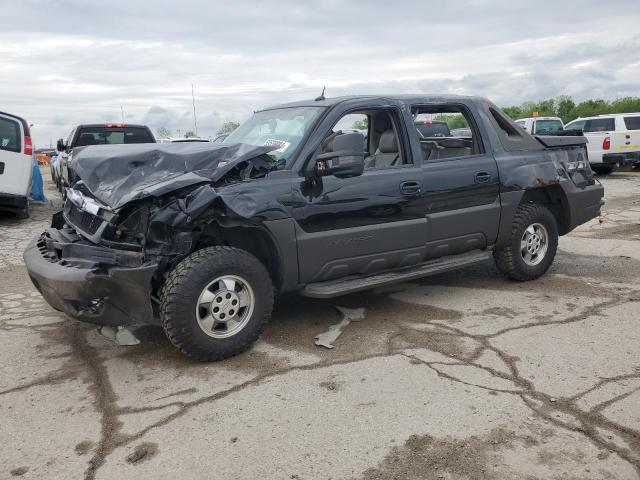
(76, 61)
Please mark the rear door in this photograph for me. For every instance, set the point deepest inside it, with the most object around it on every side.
(461, 186)
(630, 136)
(15, 165)
(597, 130)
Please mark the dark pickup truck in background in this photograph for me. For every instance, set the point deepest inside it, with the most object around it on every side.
(200, 237)
(95, 134)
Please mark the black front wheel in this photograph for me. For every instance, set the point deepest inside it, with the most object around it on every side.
(216, 302)
(533, 244)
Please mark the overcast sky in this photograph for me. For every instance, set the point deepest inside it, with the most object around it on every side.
(66, 62)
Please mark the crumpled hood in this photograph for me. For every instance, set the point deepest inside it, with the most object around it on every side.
(119, 174)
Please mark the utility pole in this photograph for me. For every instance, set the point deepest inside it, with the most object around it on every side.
(122, 113)
(195, 119)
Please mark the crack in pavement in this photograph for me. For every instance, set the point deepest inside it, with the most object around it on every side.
(589, 422)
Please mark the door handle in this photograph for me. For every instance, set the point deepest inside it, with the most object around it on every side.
(482, 177)
(410, 188)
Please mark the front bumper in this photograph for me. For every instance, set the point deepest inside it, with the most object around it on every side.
(88, 282)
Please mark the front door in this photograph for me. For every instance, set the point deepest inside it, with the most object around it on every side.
(369, 223)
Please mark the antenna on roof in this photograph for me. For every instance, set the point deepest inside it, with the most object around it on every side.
(321, 97)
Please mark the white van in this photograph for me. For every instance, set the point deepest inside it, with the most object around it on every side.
(541, 125)
(16, 163)
(614, 139)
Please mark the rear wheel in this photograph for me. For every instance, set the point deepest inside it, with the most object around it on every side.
(216, 302)
(533, 245)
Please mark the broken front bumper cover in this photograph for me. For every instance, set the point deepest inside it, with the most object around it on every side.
(88, 282)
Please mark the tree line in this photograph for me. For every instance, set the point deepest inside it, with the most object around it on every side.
(227, 127)
(565, 108)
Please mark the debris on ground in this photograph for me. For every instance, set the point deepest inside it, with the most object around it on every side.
(327, 338)
(121, 335)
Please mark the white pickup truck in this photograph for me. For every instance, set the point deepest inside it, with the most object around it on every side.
(541, 125)
(16, 163)
(614, 139)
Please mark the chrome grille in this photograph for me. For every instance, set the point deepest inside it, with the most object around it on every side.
(84, 221)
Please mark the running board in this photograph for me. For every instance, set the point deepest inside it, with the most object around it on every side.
(344, 286)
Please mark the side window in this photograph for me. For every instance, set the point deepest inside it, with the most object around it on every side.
(10, 135)
(577, 125)
(632, 123)
(383, 144)
(445, 131)
(600, 125)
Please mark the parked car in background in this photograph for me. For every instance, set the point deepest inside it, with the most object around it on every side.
(199, 238)
(432, 128)
(182, 140)
(96, 134)
(16, 164)
(53, 166)
(541, 125)
(614, 139)
(461, 132)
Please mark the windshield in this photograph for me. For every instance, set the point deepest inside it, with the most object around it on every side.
(110, 136)
(548, 126)
(283, 128)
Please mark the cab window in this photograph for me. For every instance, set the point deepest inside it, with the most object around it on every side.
(577, 125)
(600, 125)
(547, 126)
(445, 131)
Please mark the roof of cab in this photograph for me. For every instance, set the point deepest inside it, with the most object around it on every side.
(331, 101)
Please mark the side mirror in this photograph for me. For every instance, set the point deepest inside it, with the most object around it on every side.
(346, 159)
(60, 146)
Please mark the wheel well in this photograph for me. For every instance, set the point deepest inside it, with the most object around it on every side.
(252, 239)
(554, 198)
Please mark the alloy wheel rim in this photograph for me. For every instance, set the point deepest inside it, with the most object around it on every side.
(534, 244)
(225, 306)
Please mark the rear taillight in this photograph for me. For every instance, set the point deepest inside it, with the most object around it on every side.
(28, 146)
(606, 143)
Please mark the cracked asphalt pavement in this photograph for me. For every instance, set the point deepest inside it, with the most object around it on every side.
(463, 375)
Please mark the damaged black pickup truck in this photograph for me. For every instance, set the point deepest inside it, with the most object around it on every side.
(200, 237)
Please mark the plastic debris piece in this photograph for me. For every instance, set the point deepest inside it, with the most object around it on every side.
(326, 339)
(120, 336)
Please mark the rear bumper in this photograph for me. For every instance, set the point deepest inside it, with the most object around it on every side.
(621, 159)
(9, 201)
(90, 283)
(584, 203)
